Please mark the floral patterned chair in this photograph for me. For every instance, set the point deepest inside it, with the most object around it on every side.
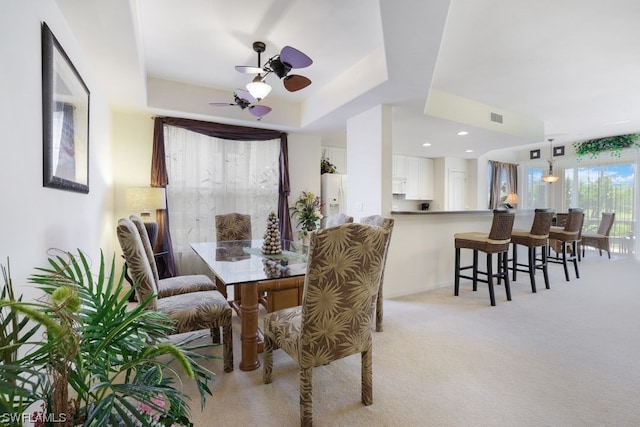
(337, 219)
(191, 311)
(386, 223)
(335, 319)
(170, 285)
(232, 227)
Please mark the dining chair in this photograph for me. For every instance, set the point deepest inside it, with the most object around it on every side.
(494, 242)
(337, 219)
(232, 227)
(171, 285)
(335, 320)
(566, 239)
(536, 237)
(387, 224)
(600, 239)
(191, 311)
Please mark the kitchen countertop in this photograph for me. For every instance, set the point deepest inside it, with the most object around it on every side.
(465, 212)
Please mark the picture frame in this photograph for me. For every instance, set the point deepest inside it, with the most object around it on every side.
(65, 119)
(534, 154)
(558, 151)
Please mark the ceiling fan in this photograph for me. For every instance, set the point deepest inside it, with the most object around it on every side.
(281, 64)
(244, 100)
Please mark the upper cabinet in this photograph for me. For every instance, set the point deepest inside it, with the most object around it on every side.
(418, 172)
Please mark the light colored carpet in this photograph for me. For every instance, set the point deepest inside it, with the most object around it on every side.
(567, 356)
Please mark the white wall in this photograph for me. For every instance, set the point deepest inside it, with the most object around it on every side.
(34, 219)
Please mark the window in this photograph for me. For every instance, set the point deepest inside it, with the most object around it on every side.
(604, 188)
(210, 176)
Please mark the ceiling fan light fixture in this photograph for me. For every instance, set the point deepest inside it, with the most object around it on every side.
(258, 88)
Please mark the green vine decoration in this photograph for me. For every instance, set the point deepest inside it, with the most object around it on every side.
(614, 144)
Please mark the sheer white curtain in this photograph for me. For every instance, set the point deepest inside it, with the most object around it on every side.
(211, 176)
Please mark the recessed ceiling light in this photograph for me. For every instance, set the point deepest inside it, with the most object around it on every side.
(468, 151)
(426, 144)
(462, 133)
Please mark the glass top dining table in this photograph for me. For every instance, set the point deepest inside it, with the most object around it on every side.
(242, 263)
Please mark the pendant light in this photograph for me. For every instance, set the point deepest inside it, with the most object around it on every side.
(550, 177)
(258, 88)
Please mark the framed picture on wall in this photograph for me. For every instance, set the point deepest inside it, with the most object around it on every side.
(65, 119)
(534, 154)
(558, 151)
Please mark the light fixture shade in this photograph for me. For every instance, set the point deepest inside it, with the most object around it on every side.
(258, 89)
(512, 199)
(550, 178)
(145, 199)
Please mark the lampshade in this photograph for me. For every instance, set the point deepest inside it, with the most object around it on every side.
(258, 89)
(512, 199)
(145, 200)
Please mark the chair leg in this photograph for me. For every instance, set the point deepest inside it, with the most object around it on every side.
(475, 270)
(227, 345)
(456, 287)
(532, 268)
(267, 360)
(564, 261)
(492, 296)
(575, 263)
(514, 261)
(507, 287)
(367, 377)
(545, 272)
(379, 309)
(306, 406)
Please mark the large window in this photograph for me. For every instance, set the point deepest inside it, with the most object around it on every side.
(210, 176)
(604, 188)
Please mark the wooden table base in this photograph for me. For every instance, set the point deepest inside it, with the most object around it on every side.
(249, 330)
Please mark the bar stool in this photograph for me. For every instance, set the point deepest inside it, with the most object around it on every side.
(496, 242)
(569, 234)
(533, 239)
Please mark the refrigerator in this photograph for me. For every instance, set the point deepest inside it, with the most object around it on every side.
(333, 193)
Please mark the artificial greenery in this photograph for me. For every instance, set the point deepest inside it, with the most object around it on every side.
(307, 209)
(614, 144)
(326, 166)
(87, 356)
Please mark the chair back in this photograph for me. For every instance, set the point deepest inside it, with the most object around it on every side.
(233, 226)
(146, 243)
(340, 289)
(502, 225)
(387, 224)
(337, 219)
(606, 222)
(137, 261)
(542, 222)
(574, 221)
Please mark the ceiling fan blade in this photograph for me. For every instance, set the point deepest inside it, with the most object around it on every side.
(249, 69)
(295, 82)
(294, 57)
(221, 104)
(243, 94)
(259, 110)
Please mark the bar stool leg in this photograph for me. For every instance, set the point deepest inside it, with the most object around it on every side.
(575, 263)
(532, 268)
(514, 261)
(490, 279)
(564, 261)
(544, 267)
(475, 270)
(457, 273)
(507, 286)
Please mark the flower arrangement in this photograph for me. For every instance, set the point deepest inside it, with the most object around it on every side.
(615, 144)
(307, 210)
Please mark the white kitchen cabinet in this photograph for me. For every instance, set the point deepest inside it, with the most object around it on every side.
(418, 172)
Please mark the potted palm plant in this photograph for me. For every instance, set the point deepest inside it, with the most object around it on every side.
(88, 357)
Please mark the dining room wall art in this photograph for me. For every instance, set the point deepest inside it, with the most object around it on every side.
(65, 119)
